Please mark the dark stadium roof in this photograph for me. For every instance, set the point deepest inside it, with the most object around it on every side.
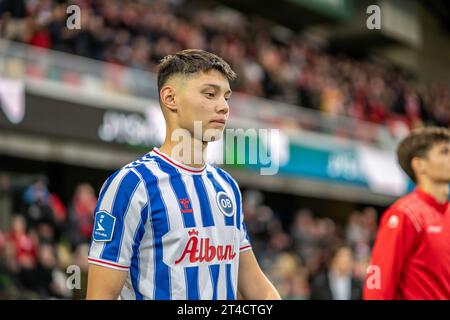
(440, 9)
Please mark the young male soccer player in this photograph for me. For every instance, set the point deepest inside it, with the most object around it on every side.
(411, 255)
(170, 227)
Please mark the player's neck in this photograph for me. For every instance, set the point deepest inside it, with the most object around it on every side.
(191, 153)
(438, 191)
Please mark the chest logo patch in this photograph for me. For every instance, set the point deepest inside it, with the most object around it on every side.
(393, 222)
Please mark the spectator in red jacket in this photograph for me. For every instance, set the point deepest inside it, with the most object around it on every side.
(81, 214)
(23, 246)
(410, 258)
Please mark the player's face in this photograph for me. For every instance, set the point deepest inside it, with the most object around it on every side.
(437, 162)
(204, 98)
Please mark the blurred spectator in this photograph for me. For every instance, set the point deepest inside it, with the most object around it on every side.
(289, 277)
(81, 215)
(33, 262)
(44, 208)
(304, 233)
(15, 22)
(354, 232)
(286, 68)
(22, 245)
(338, 282)
(278, 65)
(315, 259)
(80, 260)
(36, 198)
(21, 252)
(48, 281)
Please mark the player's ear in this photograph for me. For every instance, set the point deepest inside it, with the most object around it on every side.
(167, 96)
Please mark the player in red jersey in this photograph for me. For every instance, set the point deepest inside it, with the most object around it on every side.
(411, 255)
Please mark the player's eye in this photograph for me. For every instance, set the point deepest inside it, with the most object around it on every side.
(227, 98)
(209, 94)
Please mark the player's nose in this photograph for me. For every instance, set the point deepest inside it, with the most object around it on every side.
(222, 106)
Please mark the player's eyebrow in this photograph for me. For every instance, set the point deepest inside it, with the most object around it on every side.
(217, 87)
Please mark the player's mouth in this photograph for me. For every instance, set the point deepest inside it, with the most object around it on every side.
(220, 121)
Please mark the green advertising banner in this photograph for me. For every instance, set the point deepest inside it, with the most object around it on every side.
(353, 165)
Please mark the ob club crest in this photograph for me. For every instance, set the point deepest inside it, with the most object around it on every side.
(225, 204)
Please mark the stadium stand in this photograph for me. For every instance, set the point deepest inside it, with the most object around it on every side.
(46, 234)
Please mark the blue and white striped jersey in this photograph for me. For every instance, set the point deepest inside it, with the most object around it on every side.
(177, 230)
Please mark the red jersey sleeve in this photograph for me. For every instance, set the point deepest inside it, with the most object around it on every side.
(396, 237)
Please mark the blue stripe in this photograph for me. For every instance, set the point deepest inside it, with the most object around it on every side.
(121, 203)
(144, 159)
(244, 227)
(237, 195)
(229, 221)
(160, 226)
(134, 268)
(214, 273)
(179, 188)
(100, 199)
(136, 163)
(191, 274)
(105, 187)
(205, 206)
(230, 290)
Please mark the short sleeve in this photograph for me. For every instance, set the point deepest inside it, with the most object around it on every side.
(244, 237)
(120, 211)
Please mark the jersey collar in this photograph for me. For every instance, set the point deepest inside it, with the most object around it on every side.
(184, 168)
(429, 199)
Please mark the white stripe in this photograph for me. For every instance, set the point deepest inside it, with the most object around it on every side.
(127, 292)
(242, 235)
(178, 281)
(106, 205)
(412, 216)
(147, 262)
(175, 218)
(234, 275)
(221, 283)
(195, 202)
(227, 188)
(131, 222)
(225, 185)
(110, 194)
(169, 198)
(219, 217)
(145, 251)
(205, 287)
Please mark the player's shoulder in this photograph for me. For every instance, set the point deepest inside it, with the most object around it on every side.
(146, 159)
(224, 174)
(143, 165)
(133, 169)
(405, 210)
(407, 204)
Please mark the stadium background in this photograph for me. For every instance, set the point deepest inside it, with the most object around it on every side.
(78, 104)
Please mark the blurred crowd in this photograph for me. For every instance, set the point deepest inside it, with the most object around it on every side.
(271, 61)
(314, 257)
(44, 247)
(42, 241)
